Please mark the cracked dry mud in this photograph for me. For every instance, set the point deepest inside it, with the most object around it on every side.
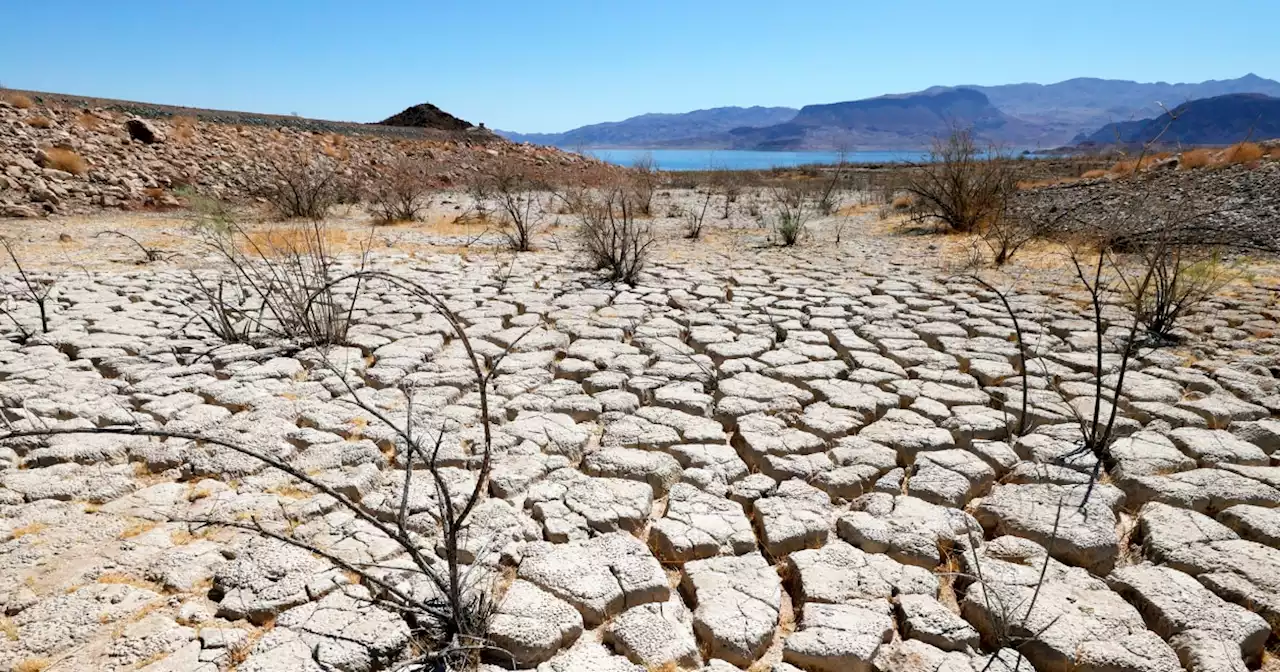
(755, 459)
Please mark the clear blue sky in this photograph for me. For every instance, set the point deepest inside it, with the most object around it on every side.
(550, 65)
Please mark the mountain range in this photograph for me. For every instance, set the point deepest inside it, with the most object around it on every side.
(1012, 115)
(1221, 120)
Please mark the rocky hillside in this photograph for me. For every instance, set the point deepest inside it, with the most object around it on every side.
(426, 115)
(1221, 120)
(60, 156)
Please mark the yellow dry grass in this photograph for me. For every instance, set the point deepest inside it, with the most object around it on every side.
(1093, 174)
(38, 664)
(66, 161)
(141, 527)
(8, 628)
(183, 128)
(903, 202)
(38, 121)
(1242, 152)
(89, 121)
(33, 528)
(18, 100)
(287, 240)
(1196, 158)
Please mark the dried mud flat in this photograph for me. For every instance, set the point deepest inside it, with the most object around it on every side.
(757, 458)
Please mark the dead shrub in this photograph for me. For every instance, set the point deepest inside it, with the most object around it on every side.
(89, 121)
(517, 202)
(66, 161)
(1242, 152)
(403, 192)
(38, 121)
(18, 100)
(1195, 158)
(960, 186)
(612, 237)
(644, 182)
(694, 218)
(273, 286)
(300, 184)
(182, 128)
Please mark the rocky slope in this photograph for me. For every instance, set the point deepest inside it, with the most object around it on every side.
(1221, 120)
(122, 168)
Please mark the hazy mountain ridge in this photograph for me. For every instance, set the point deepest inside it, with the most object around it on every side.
(1022, 115)
(1220, 120)
(660, 129)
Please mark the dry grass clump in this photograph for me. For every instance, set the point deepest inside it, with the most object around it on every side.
(903, 202)
(183, 128)
(88, 121)
(1094, 174)
(1195, 158)
(1130, 166)
(33, 528)
(32, 665)
(1242, 152)
(66, 161)
(38, 121)
(18, 100)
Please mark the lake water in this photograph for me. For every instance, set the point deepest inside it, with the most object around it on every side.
(732, 159)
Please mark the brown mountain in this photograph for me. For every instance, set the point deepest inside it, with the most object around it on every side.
(426, 115)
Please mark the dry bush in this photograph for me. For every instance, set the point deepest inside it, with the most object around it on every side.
(89, 121)
(182, 128)
(1195, 158)
(694, 218)
(403, 191)
(1242, 152)
(1094, 174)
(903, 202)
(729, 184)
(66, 161)
(790, 207)
(518, 202)
(18, 100)
(278, 286)
(38, 664)
(644, 182)
(38, 121)
(1143, 162)
(1178, 277)
(612, 237)
(960, 186)
(301, 183)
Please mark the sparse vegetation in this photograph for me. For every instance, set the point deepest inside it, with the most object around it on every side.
(694, 217)
(300, 184)
(18, 100)
(644, 182)
(612, 237)
(517, 201)
(182, 128)
(790, 209)
(65, 160)
(402, 192)
(961, 186)
(38, 121)
(1242, 152)
(89, 121)
(1195, 158)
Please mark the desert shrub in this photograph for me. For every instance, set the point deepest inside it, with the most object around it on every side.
(644, 182)
(88, 121)
(611, 236)
(300, 184)
(38, 121)
(1195, 158)
(402, 192)
(517, 202)
(790, 207)
(182, 128)
(1242, 152)
(18, 100)
(903, 202)
(274, 285)
(1179, 276)
(1005, 233)
(694, 217)
(960, 186)
(65, 160)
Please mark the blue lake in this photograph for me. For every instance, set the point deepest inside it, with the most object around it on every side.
(732, 159)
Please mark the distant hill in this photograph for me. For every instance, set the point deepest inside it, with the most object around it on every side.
(888, 122)
(1074, 106)
(1221, 120)
(426, 115)
(696, 128)
(1020, 115)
